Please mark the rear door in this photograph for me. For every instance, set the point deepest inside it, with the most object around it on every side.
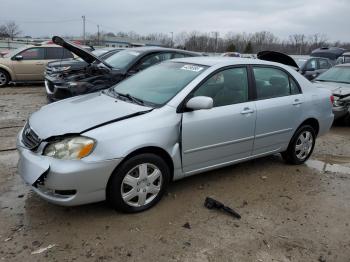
(31, 66)
(279, 105)
(225, 133)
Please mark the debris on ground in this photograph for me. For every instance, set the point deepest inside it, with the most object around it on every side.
(211, 203)
(187, 225)
(43, 249)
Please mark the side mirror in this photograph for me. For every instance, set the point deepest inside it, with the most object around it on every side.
(310, 69)
(18, 57)
(200, 102)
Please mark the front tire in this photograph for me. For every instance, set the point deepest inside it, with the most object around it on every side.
(138, 184)
(4, 78)
(301, 146)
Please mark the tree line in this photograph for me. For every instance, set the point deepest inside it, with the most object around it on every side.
(213, 42)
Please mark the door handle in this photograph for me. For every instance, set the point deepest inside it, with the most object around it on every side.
(297, 102)
(247, 110)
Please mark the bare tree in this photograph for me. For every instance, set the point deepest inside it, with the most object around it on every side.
(3, 31)
(12, 29)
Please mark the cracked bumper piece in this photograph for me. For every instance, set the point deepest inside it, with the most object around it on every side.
(65, 182)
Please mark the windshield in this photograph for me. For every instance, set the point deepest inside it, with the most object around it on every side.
(300, 61)
(336, 74)
(160, 83)
(121, 59)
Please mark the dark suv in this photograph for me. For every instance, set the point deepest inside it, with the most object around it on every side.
(104, 73)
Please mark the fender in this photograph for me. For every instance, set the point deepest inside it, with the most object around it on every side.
(9, 71)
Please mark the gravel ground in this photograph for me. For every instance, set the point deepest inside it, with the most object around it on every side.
(289, 213)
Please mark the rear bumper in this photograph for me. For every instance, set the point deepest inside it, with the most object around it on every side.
(65, 182)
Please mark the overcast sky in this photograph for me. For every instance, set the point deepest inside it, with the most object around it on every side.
(62, 17)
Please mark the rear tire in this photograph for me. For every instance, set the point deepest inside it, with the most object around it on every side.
(301, 146)
(4, 78)
(138, 184)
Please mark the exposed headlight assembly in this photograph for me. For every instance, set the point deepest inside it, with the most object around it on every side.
(71, 148)
(61, 68)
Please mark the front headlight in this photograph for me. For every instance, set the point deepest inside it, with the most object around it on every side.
(71, 148)
(61, 68)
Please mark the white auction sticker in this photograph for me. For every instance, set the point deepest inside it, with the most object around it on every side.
(193, 68)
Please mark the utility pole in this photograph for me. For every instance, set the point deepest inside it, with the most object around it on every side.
(172, 39)
(98, 35)
(216, 41)
(84, 40)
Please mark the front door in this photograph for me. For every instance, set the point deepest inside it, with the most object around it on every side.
(31, 66)
(218, 136)
(279, 108)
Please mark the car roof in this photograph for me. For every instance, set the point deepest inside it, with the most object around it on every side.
(146, 49)
(223, 61)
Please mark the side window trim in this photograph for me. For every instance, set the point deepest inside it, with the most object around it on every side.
(181, 106)
(251, 66)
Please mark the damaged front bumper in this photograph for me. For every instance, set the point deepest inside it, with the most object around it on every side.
(56, 90)
(64, 182)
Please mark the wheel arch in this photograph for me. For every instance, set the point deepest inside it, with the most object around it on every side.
(313, 122)
(7, 71)
(150, 150)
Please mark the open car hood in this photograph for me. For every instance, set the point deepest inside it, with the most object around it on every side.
(87, 56)
(277, 57)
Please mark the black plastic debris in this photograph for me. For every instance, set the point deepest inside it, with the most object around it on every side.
(211, 203)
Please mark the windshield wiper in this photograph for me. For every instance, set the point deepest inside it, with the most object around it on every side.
(334, 81)
(131, 98)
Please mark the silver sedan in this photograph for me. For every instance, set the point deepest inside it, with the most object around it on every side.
(173, 120)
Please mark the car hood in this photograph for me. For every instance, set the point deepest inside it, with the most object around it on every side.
(337, 89)
(82, 113)
(278, 57)
(87, 56)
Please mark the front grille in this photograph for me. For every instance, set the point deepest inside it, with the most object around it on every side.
(49, 70)
(29, 138)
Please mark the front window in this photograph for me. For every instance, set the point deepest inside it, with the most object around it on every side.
(336, 74)
(226, 87)
(36, 53)
(160, 83)
(122, 59)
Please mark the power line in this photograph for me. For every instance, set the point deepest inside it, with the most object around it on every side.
(40, 22)
(101, 25)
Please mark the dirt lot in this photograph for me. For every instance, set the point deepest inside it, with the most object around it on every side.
(289, 213)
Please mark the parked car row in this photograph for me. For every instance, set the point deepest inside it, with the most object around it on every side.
(168, 119)
(104, 72)
(27, 64)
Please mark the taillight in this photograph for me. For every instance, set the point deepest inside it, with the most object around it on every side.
(332, 99)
